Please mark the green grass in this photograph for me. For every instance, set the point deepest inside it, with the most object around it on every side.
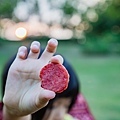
(99, 77)
(100, 84)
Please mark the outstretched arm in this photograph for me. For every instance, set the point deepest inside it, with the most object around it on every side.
(23, 92)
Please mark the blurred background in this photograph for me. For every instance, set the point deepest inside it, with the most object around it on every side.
(88, 32)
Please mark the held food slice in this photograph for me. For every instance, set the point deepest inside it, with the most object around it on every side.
(54, 77)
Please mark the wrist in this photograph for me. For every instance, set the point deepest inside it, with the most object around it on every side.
(7, 115)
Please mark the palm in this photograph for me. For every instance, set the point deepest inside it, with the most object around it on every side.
(26, 84)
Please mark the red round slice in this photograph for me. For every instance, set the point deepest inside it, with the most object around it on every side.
(54, 77)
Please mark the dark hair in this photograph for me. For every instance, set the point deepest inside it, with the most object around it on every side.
(72, 90)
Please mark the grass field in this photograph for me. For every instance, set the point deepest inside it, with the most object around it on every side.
(99, 77)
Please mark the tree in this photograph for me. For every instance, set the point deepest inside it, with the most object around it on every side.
(6, 8)
(105, 33)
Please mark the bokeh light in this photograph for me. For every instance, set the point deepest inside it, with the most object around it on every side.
(21, 32)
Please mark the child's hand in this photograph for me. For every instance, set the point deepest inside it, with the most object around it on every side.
(23, 92)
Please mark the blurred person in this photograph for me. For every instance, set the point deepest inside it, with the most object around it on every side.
(68, 105)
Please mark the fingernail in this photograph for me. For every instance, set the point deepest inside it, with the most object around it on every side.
(53, 41)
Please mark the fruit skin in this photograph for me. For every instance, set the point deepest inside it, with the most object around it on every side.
(54, 77)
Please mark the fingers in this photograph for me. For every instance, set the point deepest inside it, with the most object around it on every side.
(22, 52)
(49, 51)
(34, 50)
(51, 46)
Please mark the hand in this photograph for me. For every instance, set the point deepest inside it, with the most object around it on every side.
(23, 92)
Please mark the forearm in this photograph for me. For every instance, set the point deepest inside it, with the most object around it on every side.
(8, 116)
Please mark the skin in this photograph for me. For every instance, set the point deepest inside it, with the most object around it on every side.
(23, 92)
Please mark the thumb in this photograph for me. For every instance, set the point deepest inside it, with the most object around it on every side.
(44, 97)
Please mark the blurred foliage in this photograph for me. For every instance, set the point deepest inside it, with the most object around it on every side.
(7, 7)
(101, 45)
(109, 20)
(105, 35)
(68, 8)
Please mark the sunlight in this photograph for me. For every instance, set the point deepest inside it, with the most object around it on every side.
(21, 32)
